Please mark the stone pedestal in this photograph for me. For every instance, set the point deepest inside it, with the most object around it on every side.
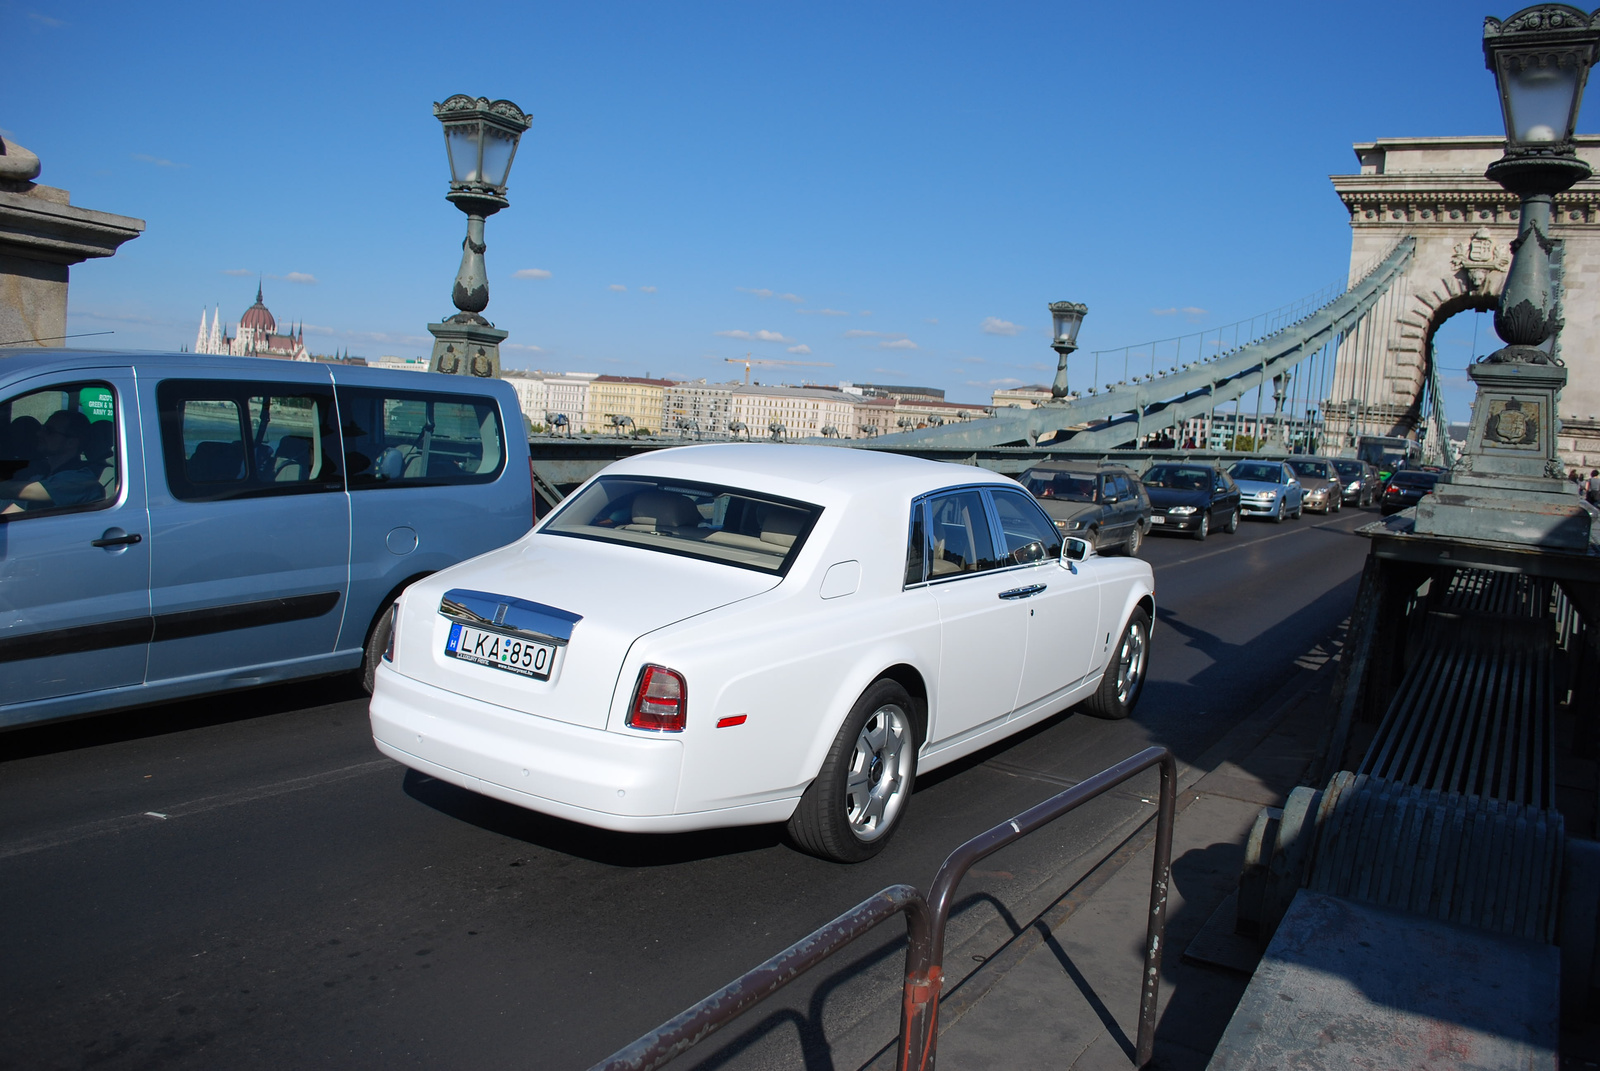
(41, 236)
(466, 348)
(1508, 486)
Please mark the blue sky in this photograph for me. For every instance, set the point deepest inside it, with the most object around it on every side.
(894, 192)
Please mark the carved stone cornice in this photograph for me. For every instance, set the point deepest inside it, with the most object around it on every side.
(36, 226)
(1417, 183)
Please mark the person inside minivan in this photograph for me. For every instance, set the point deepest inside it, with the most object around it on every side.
(61, 476)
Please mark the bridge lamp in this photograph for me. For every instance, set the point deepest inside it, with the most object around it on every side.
(480, 140)
(1066, 317)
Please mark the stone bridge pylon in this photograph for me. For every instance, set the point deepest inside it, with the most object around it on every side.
(1434, 190)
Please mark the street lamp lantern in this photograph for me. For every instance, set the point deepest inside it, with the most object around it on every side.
(1065, 317)
(480, 140)
(1540, 58)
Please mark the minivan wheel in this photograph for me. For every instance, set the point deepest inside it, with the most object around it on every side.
(854, 805)
(1119, 689)
(377, 643)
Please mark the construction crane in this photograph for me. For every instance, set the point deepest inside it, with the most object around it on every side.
(748, 360)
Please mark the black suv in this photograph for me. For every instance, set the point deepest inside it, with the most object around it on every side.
(1105, 504)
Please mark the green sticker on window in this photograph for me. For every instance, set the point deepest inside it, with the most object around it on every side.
(97, 403)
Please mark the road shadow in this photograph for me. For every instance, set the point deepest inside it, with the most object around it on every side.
(586, 842)
(135, 723)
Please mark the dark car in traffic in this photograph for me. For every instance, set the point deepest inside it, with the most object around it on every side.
(1361, 481)
(1406, 488)
(1191, 498)
(1105, 504)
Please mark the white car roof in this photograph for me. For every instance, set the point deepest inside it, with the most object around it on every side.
(841, 470)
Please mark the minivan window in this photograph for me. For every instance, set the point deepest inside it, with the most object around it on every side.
(225, 439)
(58, 450)
(418, 438)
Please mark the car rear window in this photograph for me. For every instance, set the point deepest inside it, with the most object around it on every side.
(1415, 479)
(729, 525)
(1178, 478)
(1246, 470)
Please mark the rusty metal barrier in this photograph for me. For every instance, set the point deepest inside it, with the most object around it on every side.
(923, 979)
(925, 931)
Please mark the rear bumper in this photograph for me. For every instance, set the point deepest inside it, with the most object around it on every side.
(609, 780)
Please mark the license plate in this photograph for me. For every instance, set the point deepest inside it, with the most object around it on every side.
(527, 658)
(1158, 520)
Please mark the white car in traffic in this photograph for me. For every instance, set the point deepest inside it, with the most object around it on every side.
(738, 634)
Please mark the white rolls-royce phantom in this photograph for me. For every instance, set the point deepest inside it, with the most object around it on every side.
(736, 634)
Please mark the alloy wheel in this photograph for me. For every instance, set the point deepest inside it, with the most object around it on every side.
(880, 772)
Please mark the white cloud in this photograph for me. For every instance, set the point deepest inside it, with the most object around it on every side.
(522, 346)
(822, 312)
(647, 289)
(618, 287)
(1189, 312)
(856, 332)
(44, 20)
(764, 293)
(381, 338)
(801, 349)
(303, 278)
(973, 360)
(237, 271)
(146, 158)
(758, 336)
(993, 325)
(898, 344)
(994, 383)
(931, 320)
(530, 273)
(864, 312)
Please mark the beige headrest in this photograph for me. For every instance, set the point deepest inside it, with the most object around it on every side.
(780, 525)
(665, 509)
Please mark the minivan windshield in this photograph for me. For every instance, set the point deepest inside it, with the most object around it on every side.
(730, 525)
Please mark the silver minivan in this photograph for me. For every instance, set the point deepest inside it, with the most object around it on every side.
(179, 524)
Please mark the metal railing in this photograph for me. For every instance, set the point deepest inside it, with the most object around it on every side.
(926, 920)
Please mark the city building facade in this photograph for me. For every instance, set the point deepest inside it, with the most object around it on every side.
(698, 409)
(615, 403)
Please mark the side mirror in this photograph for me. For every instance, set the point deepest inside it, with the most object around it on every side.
(1028, 553)
(1074, 549)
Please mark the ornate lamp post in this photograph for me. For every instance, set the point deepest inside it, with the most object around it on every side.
(1507, 485)
(1066, 317)
(480, 139)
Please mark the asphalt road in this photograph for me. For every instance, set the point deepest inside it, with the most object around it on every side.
(244, 882)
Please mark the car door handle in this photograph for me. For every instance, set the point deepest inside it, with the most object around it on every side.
(118, 541)
(1023, 593)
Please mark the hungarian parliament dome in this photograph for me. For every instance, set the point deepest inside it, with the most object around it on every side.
(255, 336)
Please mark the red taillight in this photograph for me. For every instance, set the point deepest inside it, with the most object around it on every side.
(533, 492)
(660, 702)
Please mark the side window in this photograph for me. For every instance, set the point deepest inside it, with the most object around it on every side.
(917, 546)
(223, 439)
(417, 438)
(1030, 535)
(1117, 487)
(58, 450)
(959, 530)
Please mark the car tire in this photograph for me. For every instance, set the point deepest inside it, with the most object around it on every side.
(377, 643)
(1123, 681)
(1233, 521)
(1300, 509)
(1135, 539)
(1203, 529)
(854, 805)
(1277, 518)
